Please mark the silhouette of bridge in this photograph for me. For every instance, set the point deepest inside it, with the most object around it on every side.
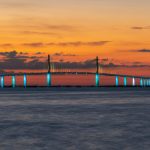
(144, 81)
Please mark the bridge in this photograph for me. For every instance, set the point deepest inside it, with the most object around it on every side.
(144, 81)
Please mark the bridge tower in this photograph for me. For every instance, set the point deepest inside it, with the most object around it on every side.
(49, 63)
(49, 72)
(97, 73)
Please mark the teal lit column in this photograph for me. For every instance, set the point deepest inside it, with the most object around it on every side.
(2, 82)
(25, 80)
(141, 82)
(97, 79)
(144, 83)
(49, 79)
(13, 81)
(125, 81)
(147, 82)
(133, 81)
(117, 81)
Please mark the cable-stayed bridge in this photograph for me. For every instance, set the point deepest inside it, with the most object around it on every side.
(48, 76)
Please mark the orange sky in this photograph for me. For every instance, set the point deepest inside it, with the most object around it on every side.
(112, 29)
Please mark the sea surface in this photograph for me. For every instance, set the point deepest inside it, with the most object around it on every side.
(75, 119)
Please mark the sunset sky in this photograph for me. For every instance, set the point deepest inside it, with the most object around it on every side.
(118, 31)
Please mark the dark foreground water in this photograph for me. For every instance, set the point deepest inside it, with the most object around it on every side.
(75, 119)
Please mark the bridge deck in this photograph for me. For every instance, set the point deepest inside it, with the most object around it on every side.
(74, 73)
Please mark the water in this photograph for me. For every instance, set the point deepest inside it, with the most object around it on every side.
(75, 119)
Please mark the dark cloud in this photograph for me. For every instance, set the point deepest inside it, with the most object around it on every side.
(79, 43)
(39, 53)
(61, 27)
(6, 45)
(91, 64)
(19, 55)
(140, 28)
(141, 51)
(10, 54)
(39, 33)
(38, 44)
(18, 60)
(63, 44)
(62, 54)
(144, 51)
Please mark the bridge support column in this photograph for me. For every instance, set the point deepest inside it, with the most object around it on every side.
(48, 79)
(147, 82)
(97, 80)
(125, 81)
(141, 82)
(133, 81)
(25, 80)
(2, 82)
(117, 81)
(13, 81)
(144, 82)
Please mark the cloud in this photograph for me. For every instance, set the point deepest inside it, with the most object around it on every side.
(20, 60)
(61, 27)
(80, 43)
(10, 54)
(13, 4)
(62, 54)
(6, 45)
(14, 60)
(141, 51)
(38, 44)
(37, 27)
(144, 51)
(91, 64)
(19, 55)
(140, 28)
(65, 44)
(39, 33)
(39, 53)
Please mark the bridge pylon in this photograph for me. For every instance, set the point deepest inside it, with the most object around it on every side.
(97, 78)
(49, 63)
(49, 72)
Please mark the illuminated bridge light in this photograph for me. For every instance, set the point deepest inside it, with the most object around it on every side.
(144, 82)
(147, 82)
(117, 81)
(97, 79)
(2, 82)
(48, 79)
(125, 81)
(133, 81)
(141, 82)
(13, 81)
(25, 80)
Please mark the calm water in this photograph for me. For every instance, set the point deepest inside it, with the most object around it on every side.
(75, 119)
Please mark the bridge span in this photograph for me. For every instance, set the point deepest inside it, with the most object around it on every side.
(143, 80)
